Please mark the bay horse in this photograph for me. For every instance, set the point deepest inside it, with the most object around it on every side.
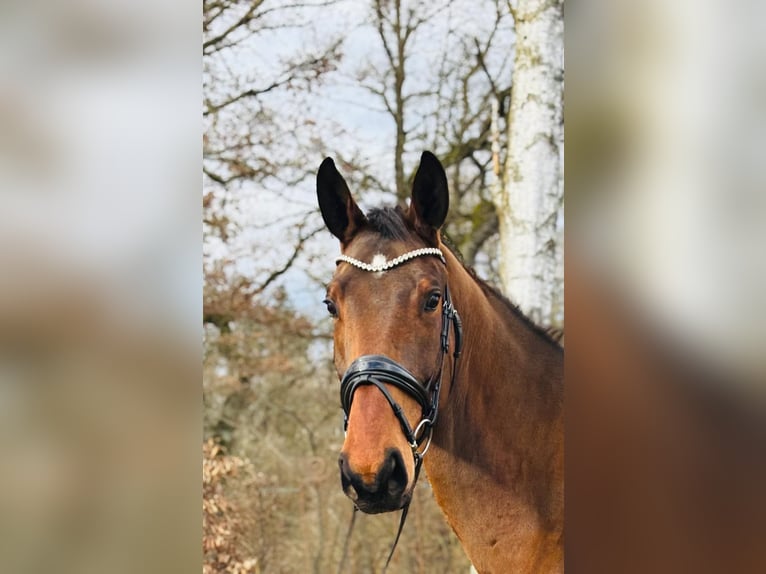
(480, 390)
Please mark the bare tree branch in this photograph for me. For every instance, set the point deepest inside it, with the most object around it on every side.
(274, 275)
(247, 17)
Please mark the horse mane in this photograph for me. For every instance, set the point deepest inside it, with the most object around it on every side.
(551, 335)
(390, 223)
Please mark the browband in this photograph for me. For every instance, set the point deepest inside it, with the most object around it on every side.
(376, 268)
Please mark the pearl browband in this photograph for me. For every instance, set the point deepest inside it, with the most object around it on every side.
(377, 267)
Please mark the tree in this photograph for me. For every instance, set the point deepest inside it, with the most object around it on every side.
(530, 199)
(256, 138)
(435, 81)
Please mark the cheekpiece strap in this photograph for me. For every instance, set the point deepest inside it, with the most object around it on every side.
(394, 262)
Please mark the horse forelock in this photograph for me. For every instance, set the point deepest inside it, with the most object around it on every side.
(390, 222)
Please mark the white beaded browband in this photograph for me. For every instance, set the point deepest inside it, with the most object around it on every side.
(377, 268)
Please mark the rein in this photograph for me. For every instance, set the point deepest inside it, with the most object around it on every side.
(379, 370)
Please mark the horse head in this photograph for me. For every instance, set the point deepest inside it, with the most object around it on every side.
(389, 301)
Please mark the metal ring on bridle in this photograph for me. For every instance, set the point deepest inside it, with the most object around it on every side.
(423, 452)
(423, 422)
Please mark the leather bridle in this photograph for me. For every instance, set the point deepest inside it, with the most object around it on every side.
(379, 371)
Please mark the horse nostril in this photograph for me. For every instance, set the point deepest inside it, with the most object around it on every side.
(346, 477)
(397, 478)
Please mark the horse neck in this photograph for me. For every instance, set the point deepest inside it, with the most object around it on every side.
(504, 355)
(499, 440)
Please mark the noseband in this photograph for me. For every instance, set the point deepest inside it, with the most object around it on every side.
(379, 371)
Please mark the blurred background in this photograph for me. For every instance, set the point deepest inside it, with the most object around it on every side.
(100, 290)
(666, 322)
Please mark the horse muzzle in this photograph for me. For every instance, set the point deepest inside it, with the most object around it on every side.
(386, 488)
(384, 491)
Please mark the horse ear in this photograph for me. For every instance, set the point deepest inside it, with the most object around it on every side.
(430, 197)
(339, 210)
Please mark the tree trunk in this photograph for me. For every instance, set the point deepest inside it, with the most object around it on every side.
(530, 200)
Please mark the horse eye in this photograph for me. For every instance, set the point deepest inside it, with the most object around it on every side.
(331, 308)
(433, 301)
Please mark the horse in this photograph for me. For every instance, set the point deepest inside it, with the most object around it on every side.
(433, 360)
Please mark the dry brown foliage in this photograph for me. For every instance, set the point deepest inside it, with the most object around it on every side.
(223, 521)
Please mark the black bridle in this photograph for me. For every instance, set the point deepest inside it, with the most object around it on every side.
(379, 371)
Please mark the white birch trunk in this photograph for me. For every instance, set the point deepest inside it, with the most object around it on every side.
(530, 200)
